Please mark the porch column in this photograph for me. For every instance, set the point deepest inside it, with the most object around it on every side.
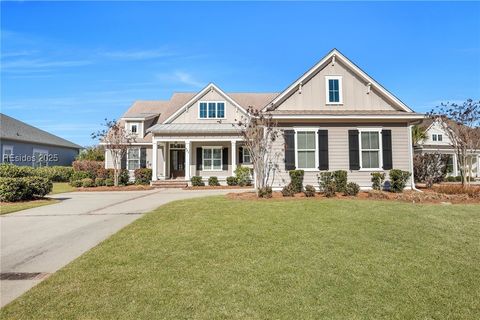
(187, 159)
(234, 156)
(154, 161)
(455, 165)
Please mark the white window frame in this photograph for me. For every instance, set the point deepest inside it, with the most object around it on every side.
(340, 90)
(216, 110)
(6, 147)
(306, 129)
(380, 148)
(129, 127)
(139, 158)
(203, 158)
(41, 151)
(243, 156)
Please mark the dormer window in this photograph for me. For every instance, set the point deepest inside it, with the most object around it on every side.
(133, 128)
(333, 89)
(211, 110)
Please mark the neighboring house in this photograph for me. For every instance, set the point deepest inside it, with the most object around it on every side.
(334, 117)
(438, 141)
(25, 145)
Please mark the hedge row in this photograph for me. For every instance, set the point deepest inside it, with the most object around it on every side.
(24, 188)
(54, 173)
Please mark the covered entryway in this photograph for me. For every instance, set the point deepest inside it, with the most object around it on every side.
(177, 163)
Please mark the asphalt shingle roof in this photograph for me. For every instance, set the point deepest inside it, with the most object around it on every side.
(11, 128)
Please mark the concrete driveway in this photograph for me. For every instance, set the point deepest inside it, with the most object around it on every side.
(39, 241)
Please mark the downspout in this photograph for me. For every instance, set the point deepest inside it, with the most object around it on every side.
(410, 155)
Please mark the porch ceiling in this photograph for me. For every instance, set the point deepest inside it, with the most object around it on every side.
(194, 128)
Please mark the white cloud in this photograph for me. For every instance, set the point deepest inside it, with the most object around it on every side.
(138, 54)
(32, 64)
(180, 77)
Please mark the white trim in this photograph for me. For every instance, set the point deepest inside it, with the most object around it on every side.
(196, 139)
(216, 109)
(4, 148)
(410, 156)
(380, 148)
(306, 129)
(188, 148)
(203, 158)
(139, 157)
(139, 118)
(348, 63)
(340, 90)
(204, 91)
(407, 116)
(155, 161)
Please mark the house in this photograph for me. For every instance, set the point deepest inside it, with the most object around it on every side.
(333, 117)
(437, 141)
(25, 145)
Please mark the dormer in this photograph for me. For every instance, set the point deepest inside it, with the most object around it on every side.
(137, 124)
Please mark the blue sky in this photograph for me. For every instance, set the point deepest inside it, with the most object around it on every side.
(67, 66)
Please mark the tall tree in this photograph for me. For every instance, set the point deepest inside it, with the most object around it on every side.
(259, 133)
(461, 124)
(116, 140)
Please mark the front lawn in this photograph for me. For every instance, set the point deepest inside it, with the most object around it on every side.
(215, 258)
(61, 187)
(9, 207)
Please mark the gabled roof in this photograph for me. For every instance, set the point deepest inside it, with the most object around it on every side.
(210, 86)
(170, 128)
(13, 129)
(335, 54)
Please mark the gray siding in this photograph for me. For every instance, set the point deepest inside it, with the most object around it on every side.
(338, 153)
(24, 149)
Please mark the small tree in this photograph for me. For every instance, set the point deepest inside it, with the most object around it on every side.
(461, 124)
(418, 134)
(93, 153)
(259, 133)
(430, 168)
(116, 139)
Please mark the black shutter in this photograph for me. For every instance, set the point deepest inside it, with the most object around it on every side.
(289, 136)
(240, 155)
(225, 158)
(199, 158)
(387, 149)
(123, 162)
(323, 149)
(143, 157)
(353, 150)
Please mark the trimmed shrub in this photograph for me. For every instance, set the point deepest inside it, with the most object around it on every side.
(77, 183)
(79, 175)
(99, 182)
(55, 173)
(109, 182)
(265, 192)
(398, 180)
(288, 190)
(458, 179)
(324, 179)
(329, 189)
(12, 189)
(88, 183)
(296, 180)
(243, 176)
(450, 179)
(213, 181)
(340, 178)
(38, 186)
(377, 180)
(351, 189)
(309, 191)
(232, 181)
(143, 176)
(124, 177)
(104, 173)
(89, 166)
(8, 170)
(197, 181)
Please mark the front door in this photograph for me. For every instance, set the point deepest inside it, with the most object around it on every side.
(177, 163)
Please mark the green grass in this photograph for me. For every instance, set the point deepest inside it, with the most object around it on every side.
(61, 187)
(214, 258)
(13, 207)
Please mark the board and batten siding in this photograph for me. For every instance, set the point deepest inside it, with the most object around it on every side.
(338, 153)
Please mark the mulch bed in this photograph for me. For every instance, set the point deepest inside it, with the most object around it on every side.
(428, 196)
(133, 187)
(216, 187)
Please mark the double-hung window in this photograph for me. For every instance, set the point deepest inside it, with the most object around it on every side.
(133, 158)
(7, 153)
(306, 149)
(40, 158)
(211, 110)
(437, 137)
(212, 158)
(334, 89)
(246, 156)
(370, 149)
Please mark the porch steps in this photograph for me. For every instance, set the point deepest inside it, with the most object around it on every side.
(170, 184)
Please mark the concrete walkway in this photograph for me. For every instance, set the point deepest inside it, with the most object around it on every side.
(44, 239)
